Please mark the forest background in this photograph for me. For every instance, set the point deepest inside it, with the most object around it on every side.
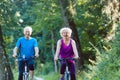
(96, 30)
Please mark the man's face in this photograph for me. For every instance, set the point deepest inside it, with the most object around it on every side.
(27, 33)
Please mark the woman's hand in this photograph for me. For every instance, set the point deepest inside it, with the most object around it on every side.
(76, 57)
(55, 58)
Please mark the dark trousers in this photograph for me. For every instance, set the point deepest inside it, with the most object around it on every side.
(21, 65)
(71, 68)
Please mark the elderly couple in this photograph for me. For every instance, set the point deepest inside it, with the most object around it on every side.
(27, 46)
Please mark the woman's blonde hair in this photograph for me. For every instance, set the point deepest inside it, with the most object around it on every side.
(65, 28)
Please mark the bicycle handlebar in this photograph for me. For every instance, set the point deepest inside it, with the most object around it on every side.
(61, 59)
(25, 58)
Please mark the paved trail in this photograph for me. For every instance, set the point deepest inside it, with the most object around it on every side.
(36, 78)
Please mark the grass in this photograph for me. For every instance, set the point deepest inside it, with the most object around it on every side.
(15, 74)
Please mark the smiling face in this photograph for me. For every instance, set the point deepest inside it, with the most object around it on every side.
(66, 34)
(27, 32)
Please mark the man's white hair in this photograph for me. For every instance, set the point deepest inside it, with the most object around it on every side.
(65, 28)
(29, 28)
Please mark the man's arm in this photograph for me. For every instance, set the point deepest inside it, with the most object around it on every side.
(36, 52)
(15, 51)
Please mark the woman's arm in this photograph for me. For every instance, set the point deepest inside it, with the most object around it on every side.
(57, 50)
(75, 49)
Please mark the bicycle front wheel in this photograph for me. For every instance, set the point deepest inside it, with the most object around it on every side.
(67, 76)
(25, 77)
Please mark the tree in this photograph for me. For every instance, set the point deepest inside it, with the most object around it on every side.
(67, 10)
(5, 70)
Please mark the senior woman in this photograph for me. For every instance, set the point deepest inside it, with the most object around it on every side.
(66, 48)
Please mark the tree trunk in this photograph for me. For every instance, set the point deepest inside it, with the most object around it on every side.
(52, 45)
(67, 14)
(5, 70)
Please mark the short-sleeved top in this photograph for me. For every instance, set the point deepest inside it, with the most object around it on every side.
(66, 51)
(26, 47)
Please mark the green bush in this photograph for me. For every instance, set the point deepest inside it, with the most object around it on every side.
(47, 68)
(107, 66)
(52, 76)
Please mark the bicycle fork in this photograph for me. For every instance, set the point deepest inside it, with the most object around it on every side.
(25, 74)
(67, 74)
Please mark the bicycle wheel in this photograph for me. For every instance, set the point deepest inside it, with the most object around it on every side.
(25, 76)
(67, 76)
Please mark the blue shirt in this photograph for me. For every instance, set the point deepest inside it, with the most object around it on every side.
(26, 47)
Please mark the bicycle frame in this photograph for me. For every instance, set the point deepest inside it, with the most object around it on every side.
(25, 73)
(67, 73)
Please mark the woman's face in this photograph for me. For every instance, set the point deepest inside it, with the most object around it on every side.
(66, 34)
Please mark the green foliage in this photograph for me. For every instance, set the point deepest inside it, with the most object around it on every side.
(15, 74)
(107, 66)
(48, 67)
(92, 23)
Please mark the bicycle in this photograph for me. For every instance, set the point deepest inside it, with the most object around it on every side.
(25, 61)
(67, 72)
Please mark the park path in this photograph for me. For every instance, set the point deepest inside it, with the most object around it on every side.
(37, 78)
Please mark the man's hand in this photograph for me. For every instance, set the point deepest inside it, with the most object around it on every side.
(14, 55)
(15, 52)
(36, 55)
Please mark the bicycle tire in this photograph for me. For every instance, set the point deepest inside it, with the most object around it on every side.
(67, 76)
(25, 76)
